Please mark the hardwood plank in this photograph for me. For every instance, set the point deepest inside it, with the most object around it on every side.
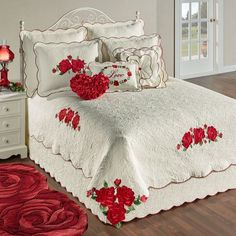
(212, 216)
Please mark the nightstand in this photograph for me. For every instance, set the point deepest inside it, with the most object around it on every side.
(12, 124)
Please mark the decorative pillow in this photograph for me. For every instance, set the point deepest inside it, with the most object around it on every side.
(150, 64)
(122, 75)
(116, 29)
(29, 38)
(48, 55)
(109, 45)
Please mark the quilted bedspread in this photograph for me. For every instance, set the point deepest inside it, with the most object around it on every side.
(133, 136)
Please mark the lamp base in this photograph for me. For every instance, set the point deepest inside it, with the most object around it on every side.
(4, 82)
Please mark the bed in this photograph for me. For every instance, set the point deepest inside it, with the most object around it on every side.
(134, 136)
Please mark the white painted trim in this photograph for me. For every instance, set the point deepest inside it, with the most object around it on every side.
(177, 37)
(230, 68)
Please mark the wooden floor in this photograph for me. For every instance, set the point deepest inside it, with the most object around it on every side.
(212, 216)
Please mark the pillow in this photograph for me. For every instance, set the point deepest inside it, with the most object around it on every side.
(117, 29)
(30, 38)
(150, 64)
(122, 75)
(109, 45)
(50, 54)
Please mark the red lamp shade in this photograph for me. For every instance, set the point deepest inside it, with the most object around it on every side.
(6, 55)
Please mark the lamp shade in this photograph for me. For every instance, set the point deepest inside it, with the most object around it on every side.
(6, 55)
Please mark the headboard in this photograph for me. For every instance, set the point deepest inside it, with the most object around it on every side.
(72, 19)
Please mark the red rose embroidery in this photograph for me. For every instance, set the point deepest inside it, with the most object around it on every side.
(143, 198)
(64, 66)
(116, 201)
(62, 114)
(69, 57)
(116, 83)
(69, 116)
(187, 140)
(116, 213)
(75, 121)
(211, 133)
(129, 73)
(114, 66)
(117, 182)
(125, 195)
(199, 135)
(106, 196)
(77, 65)
(54, 70)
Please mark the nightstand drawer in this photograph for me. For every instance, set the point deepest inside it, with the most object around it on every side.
(9, 139)
(10, 123)
(10, 108)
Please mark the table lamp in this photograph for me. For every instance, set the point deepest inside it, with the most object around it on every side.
(6, 56)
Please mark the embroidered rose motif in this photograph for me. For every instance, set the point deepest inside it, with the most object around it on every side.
(106, 196)
(211, 133)
(69, 117)
(125, 195)
(77, 65)
(116, 202)
(199, 136)
(187, 140)
(64, 66)
(116, 213)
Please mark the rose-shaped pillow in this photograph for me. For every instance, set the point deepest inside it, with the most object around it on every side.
(19, 183)
(49, 213)
(89, 87)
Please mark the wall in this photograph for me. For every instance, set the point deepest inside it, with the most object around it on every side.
(41, 14)
(229, 33)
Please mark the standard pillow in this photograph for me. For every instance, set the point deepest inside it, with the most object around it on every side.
(117, 29)
(109, 45)
(150, 64)
(49, 55)
(29, 38)
(122, 75)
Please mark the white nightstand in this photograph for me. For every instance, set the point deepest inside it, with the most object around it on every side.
(12, 124)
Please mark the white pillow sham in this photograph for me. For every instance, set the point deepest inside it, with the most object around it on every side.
(108, 45)
(29, 38)
(49, 55)
(150, 64)
(122, 75)
(116, 29)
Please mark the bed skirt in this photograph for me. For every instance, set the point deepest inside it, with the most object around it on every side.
(160, 199)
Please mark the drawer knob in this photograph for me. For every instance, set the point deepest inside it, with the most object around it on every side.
(6, 124)
(6, 109)
(6, 141)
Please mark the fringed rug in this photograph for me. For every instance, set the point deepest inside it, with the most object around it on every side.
(28, 207)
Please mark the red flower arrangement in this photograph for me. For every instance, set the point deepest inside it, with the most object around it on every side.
(116, 201)
(199, 136)
(84, 84)
(69, 117)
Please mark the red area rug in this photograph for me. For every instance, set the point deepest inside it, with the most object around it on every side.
(28, 207)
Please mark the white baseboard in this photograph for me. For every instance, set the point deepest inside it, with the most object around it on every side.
(230, 68)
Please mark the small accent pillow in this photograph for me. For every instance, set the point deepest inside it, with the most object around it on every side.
(122, 75)
(108, 45)
(150, 64)
(48, 55)
(29, 38)
(116, 29)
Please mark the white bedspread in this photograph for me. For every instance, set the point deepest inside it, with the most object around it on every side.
(133, 136)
